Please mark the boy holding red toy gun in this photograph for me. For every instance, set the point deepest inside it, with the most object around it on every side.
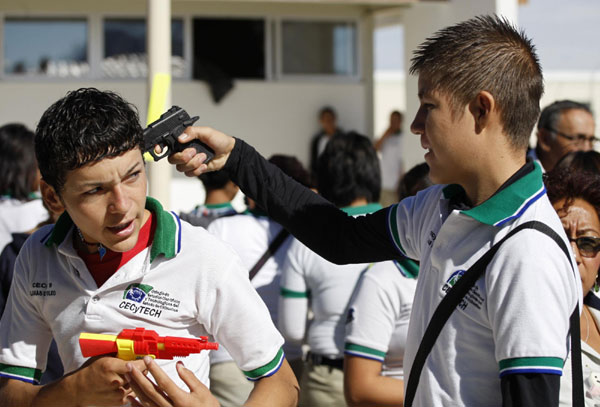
(114, 260)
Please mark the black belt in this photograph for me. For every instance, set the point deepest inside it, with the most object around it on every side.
(318, 360)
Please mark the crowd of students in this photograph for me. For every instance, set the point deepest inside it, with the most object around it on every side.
(352, 299)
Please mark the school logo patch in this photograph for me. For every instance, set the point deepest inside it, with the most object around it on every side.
(137, 292)
(453, 279)
(474, 297)
(144, 299)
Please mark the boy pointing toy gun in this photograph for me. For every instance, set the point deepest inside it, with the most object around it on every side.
(479, 89)
(115, 259)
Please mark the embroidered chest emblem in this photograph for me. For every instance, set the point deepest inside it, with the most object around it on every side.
(474, 297)
(144, 299)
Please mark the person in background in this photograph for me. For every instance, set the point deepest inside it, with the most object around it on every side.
(563, 126)
(329, 128)
(415, 180)
(575, 195)
(389, 145)
(377, 323)
(349, 176)
(220, 191)
(227, 382)
(21, 208)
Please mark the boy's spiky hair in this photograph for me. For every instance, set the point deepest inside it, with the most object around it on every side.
(486, 53)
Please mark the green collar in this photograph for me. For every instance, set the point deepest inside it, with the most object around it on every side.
(256, 212)
(407, 267)
(218, 206)
(507, 204)
(361, 210)
(167, 236)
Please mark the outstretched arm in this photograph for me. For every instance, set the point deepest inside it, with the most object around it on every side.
(313, 220)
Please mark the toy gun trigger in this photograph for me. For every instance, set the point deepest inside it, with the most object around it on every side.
(165, 151)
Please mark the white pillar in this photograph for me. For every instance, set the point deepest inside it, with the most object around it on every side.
(159, 74)
(508, 9)
(367, 72)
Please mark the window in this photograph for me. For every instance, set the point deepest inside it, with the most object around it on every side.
(318, 48)
(229, 48)
(46, 47)
(125, 49)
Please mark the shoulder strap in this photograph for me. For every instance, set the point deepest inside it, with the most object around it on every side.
(278, 241)
(460, 289)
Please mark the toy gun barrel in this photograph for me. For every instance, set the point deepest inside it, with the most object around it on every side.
(136, 343)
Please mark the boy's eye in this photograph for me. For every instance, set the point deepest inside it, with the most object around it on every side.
(428, 106)
(92, 191)
(134, 175)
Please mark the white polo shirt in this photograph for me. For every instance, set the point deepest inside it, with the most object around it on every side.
(377, 321)
(516, 317)
(329, 286)
(187, 283)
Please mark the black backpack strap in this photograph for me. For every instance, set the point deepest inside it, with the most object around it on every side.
(278, 241)
(454, 296)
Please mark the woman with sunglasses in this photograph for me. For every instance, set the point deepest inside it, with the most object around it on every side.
(575, 195)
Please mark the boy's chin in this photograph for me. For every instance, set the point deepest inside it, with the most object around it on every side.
(125, 245)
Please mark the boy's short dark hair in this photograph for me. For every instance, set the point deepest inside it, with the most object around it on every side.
(416, 179)
(292, 167)
(214, 180)
(87, 125)
(18, 167)
(551, 114)
(486, 53)
(349, 169)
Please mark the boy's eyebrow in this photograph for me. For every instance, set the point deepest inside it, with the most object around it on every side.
(131, 169)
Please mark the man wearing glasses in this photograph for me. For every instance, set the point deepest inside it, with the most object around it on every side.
(564, 126)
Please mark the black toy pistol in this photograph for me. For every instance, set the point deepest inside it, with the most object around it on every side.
(165, 131)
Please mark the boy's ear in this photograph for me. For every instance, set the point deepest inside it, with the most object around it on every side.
(481, 108)
(51, 198)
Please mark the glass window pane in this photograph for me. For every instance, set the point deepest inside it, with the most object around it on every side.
(227, 48)
(48, 47)
(319, 48)
(125, 48)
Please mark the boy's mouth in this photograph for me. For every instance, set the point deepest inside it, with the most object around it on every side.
(122, 228)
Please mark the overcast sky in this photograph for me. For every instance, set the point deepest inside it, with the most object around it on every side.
(566, 34)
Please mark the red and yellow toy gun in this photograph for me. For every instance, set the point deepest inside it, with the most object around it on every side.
(136, 343)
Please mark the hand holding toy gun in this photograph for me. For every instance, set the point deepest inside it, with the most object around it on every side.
(165, 132)
(132, 344)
